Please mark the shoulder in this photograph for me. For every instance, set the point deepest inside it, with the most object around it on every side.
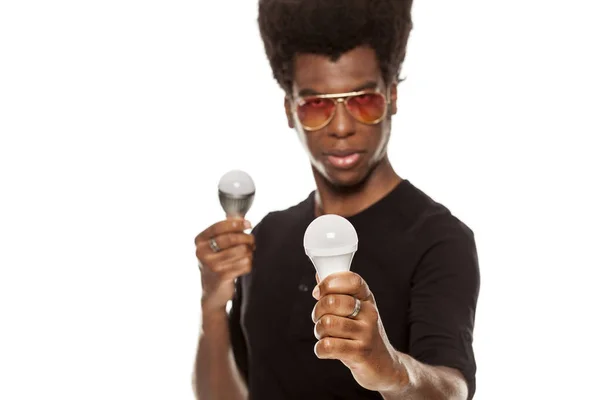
(440, 240)
(446, 251)
(430, 221)
(445, 244)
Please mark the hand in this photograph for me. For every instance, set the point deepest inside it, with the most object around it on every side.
(360, 343)
(219, 270)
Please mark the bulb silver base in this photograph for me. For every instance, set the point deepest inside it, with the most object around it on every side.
(236, 206)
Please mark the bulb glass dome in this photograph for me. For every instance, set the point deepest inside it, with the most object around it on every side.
(236, 183)
(330, 235)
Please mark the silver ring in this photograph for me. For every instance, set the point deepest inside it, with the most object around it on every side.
(357, 306)
(213, 245)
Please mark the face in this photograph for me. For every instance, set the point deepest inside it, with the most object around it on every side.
(346, 150)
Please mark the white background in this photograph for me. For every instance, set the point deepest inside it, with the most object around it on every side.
(117, 119)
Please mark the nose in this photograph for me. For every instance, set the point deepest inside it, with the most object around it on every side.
(343, 124)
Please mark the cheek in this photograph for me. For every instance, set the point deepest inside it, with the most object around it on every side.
(308, 140)
(377, 136)
(313, 146)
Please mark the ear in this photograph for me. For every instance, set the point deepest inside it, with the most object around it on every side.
(393, 98)
(288, 111)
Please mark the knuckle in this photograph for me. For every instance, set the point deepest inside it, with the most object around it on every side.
(245, 261)
(356, 281)
(241, 250)
(236, 224)
(229, 240)
(328, 322)
(209, 232)
(332, 301)
(327, 345)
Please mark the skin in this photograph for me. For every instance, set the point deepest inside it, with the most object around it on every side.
(345, 192)
(359, 343)
(215, 373)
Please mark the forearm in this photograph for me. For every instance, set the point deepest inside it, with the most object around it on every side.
(418, 381)
(216, 375)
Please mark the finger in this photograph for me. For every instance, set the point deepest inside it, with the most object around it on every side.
(227, 267)
(339, 327)
(335, 304)
(227, 240)
(236, 269)
(338, 349)
(223, 265)
(348, 283)
(221, 227)
(213, 259)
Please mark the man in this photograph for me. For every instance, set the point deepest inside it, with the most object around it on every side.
(400, 324)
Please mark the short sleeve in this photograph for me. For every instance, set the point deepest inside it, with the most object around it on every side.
(236, 334)
(444, 293)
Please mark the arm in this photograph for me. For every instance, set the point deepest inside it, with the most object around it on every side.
(444, 292)
(418, 381)
(216, 375)
(440, 363)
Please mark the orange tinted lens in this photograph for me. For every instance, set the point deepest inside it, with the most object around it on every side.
(367, 108)
(315, 112)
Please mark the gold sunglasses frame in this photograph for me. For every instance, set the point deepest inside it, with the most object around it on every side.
(339, 98)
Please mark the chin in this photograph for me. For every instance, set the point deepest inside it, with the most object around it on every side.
(347, 180)
(344, 179)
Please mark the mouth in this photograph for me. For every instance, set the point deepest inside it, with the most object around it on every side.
(343, 159)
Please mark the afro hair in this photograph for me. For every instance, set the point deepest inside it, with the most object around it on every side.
(331, 28)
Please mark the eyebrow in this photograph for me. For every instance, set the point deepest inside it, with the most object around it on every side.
(310, 92)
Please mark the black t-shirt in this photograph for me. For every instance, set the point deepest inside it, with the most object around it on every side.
(421, 265)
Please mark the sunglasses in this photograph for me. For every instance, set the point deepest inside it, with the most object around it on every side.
(316, 112)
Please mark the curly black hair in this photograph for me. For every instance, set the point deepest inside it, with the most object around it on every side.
(331, 28)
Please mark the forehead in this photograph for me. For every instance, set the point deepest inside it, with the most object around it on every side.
(320, 74)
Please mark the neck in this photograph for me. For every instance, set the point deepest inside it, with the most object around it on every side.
(349, 201)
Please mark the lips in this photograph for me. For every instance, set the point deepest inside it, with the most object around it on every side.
(343, 159)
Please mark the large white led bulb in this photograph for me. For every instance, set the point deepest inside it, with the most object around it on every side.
(330, 241)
